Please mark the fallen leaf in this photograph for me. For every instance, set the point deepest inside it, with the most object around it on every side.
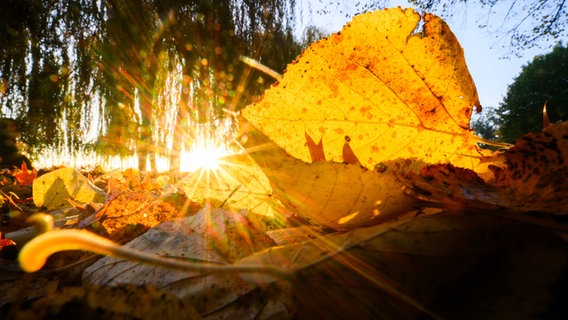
(537, 165)
(532, 179)
(392, 91)
(143, 209)
(121, 302)
(444, 265)
(378, 94)
(24, 176)
(336, 195)
(216, 236)
(52, 190)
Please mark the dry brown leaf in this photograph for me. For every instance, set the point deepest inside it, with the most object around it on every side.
(123, 302)
(391, 90)
(534, 178)
(448, 265)
(127, 208)
(538, 163)
(215, 236)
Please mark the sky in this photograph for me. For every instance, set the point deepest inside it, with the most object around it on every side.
(489, 59)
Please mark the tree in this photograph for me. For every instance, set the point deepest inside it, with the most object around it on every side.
(485, 124)
(146, 41)
(47, 70)
(312, 34)
(526, 23)
(542, 81)
(69, 69)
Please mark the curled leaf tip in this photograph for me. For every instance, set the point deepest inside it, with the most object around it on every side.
(42, 221)
(34, 254)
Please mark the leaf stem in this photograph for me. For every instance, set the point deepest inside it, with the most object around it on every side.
(34, 254)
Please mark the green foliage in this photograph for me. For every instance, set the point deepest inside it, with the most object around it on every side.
(542, 81)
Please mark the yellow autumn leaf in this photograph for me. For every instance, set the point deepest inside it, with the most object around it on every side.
(236, 183)
(336, 195)
(53, 190)
(389, 90)
(380, 95)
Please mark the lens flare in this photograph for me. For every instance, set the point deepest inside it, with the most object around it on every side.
(205, 155)
(206, 145)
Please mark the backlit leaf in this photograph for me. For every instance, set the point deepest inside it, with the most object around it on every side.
(380, 94)
(237, 183)
(52, 190)
(336, 195)
(533, 178)
(390, 89)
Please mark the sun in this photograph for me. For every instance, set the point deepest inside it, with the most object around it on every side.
(204, 155)
(206, 149)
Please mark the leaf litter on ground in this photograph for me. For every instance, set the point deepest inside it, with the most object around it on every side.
(394, 104)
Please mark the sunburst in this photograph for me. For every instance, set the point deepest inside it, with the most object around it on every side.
(205, 154)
